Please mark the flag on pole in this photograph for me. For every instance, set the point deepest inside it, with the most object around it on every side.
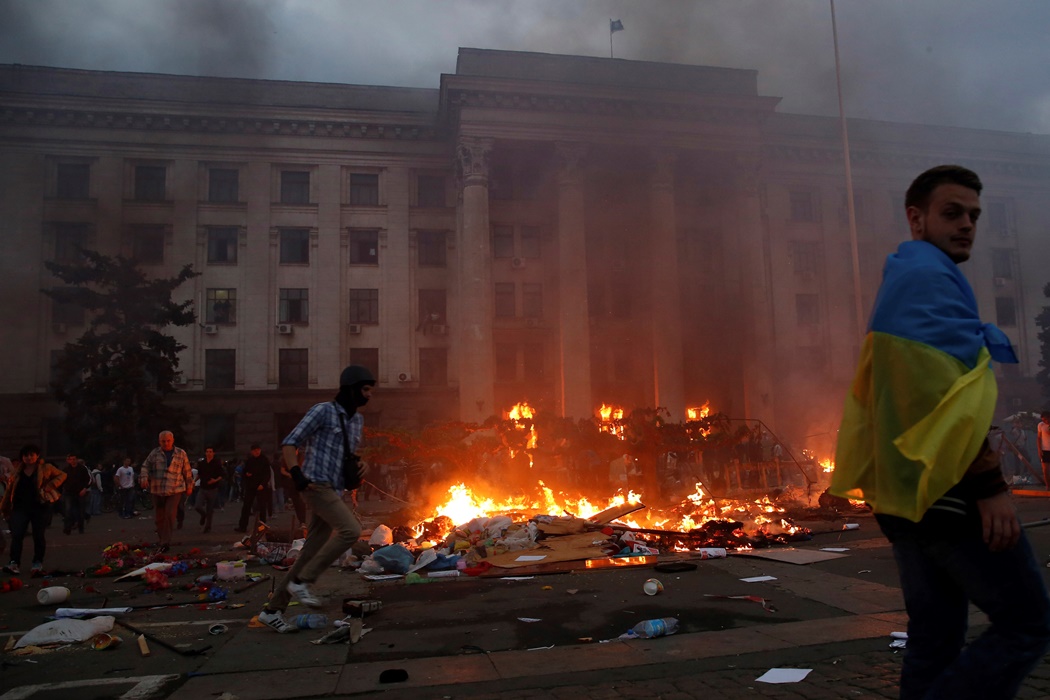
(615, 25)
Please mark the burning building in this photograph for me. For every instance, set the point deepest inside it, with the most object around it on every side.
(566, 230)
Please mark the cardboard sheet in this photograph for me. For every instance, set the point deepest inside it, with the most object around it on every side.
(792, 555)
(553, 549)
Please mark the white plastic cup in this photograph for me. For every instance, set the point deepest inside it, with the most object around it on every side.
(52, 595)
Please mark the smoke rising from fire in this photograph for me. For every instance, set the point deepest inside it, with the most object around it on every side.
(953, 62)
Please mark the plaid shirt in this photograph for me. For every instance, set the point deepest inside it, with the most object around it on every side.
(165, 480)
(320, 436)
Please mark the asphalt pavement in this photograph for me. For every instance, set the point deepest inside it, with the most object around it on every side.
(551, 636)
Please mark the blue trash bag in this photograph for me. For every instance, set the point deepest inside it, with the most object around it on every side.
(394, 558)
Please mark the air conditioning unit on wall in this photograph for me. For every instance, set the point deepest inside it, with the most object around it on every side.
(517, 263)
(999, 281)
(210, 329)
(439, 329)
(285, 328)
(404, 377)
(59, 327)
(354, 328)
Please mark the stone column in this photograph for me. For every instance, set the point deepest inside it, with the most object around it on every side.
(573, 319)
(668, 370)
(759, 340)
(476, 362)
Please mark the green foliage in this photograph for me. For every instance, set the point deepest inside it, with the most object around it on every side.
(1043, 321)
(114, 379)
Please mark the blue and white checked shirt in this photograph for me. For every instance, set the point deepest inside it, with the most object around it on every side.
(320, 437)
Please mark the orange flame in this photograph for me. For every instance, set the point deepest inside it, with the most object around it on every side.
(609, 416)
(827, 465)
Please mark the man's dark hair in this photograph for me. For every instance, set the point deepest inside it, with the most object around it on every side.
(922, 187)
(28, 450)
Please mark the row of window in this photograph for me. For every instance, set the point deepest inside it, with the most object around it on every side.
(803, 207)
(150, 184)
(293, 366)
(807, 311)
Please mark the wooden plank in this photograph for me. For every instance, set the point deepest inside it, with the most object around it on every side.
(610, 514)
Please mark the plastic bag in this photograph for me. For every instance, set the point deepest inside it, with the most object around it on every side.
(382, 535)
(66, 631)
(395, 558)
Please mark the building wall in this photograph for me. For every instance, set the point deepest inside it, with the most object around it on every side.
(768, 326)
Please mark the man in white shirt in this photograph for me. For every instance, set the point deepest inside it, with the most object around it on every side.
(125, 478)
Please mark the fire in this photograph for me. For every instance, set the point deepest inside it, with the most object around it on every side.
(610, 420)
(695, 414)
(522, 414)
(827, 465)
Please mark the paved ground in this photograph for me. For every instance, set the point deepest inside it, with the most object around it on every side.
(463, 638)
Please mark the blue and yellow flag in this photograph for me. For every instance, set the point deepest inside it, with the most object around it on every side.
(924, 393)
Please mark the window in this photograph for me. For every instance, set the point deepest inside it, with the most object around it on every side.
(535, 367)
(1002, 263)
(530, 241)
(69, 239)
(997, 217)
(222, 245)
(72, 180)
(505, 305)
(295, 246)
(147, 244)
(806, 258)
(68, 313)
(293, 368)
(432, 308)
(1005, 311)
(430, 191)
(366, 357)
(149, 183)
(364, 247)
(364, 190)
(532, 300)
(219, 369)
(218, 431)
(294, 306)
(295, 187)
(802, 207)
(220, 306)
(503, 241)
(364, 306)
(432, 248)
(223, 185)
(433, 366)
(807, 309)
(506, 357)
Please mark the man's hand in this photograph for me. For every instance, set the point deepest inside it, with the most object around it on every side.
(999, 523)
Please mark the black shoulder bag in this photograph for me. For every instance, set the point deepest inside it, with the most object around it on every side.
(351, 462)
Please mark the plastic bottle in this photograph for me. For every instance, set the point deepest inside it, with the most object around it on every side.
(313, 621)
(646, 629)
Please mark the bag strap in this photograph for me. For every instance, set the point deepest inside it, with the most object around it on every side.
(342, 424)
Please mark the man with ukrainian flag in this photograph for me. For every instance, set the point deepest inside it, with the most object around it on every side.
(913, 445)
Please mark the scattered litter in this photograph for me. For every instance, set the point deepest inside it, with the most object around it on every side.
(864, 571)
(143, 646)
(648, 629)
(900, 640)
(549, 646)
(548, 588)
(382, 577)
(572, 591)
(531, 557)
(758, 579)
(516, 578)
(766, 604)
(834, 549)
(784, 675)
(530, 619)
(851, 526)
(52, 595)
(653, 586)
(105, 641)
(90, 612)
(218, 629)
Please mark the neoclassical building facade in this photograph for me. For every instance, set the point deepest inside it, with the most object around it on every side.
(563, 230)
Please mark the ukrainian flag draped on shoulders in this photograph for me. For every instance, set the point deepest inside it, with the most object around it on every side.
(924, 393)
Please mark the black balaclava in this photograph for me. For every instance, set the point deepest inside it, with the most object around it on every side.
(351, 398)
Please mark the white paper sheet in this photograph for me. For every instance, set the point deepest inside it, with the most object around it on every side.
(531, 557)
(834, 549)
(758, 579)
(784, 675)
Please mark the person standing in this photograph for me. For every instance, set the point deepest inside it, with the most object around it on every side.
(212, 476)
(95, 491)
(913, 445)
(256, 481)
(280, 468)
(1042, 432)
(323, 447)
(35, 485)
(125, 483)
(166, 472)
(74, 494)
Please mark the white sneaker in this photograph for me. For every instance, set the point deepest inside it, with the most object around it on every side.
(301, 593)
(275, 621)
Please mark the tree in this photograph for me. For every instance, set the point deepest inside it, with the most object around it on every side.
(1043, 321)
(114, 379)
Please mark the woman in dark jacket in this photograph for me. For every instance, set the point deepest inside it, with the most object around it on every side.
(34, 487)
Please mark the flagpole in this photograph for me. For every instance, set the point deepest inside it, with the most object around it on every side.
(850, 208)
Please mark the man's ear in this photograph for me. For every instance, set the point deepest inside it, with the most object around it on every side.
(915, 222)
